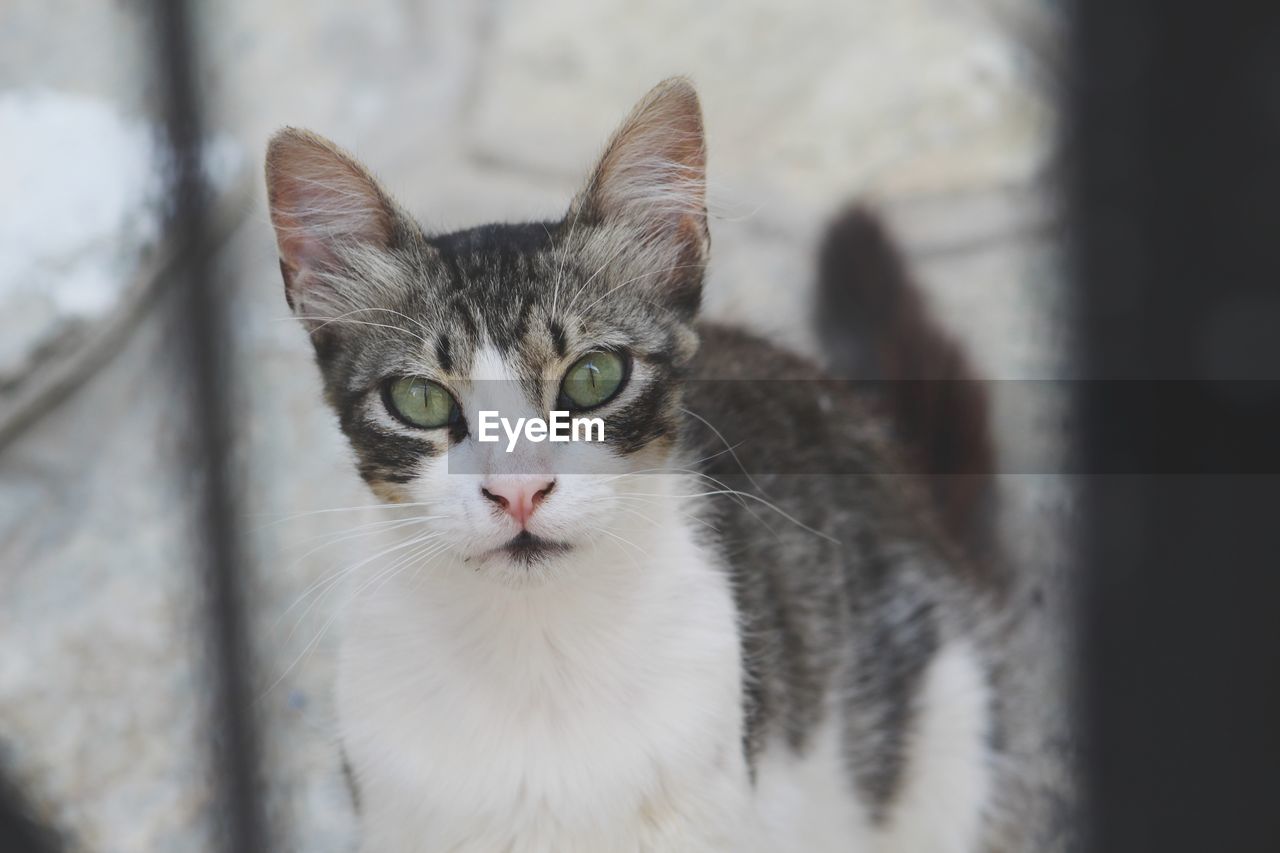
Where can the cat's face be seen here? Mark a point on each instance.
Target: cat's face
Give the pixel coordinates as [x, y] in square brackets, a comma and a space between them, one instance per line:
[417, 334]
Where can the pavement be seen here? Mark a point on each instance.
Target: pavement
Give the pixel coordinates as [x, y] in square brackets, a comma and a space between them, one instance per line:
[939, 111]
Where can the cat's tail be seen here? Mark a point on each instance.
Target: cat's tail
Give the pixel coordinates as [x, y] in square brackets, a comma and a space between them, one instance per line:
[874, 326]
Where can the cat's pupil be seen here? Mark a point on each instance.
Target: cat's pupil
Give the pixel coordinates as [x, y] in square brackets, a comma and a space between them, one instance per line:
[594, 379]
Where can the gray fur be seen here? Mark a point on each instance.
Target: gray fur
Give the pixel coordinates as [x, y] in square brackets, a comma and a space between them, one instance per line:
[864, 610]
[854, 596]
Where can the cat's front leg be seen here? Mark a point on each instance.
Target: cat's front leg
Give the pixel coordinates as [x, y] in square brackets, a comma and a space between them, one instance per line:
[715, 813]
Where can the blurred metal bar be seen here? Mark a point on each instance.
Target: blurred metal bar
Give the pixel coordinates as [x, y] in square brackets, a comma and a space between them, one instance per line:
[200, 318]
[20, 832]
[1173, 153]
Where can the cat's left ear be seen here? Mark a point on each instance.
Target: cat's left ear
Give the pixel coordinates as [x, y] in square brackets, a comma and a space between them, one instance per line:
[652, 178]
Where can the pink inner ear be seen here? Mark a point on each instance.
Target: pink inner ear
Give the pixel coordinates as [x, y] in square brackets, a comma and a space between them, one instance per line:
[301, 248]
[320, 199]
[654, 167]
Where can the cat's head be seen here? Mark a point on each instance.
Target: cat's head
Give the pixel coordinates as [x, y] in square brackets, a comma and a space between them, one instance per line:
[417, 333]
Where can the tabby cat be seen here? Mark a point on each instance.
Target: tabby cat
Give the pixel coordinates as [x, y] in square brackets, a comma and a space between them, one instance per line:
[730, 625]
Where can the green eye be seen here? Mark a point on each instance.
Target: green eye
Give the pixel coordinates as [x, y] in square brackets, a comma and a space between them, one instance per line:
[421, 402]
[593, 380]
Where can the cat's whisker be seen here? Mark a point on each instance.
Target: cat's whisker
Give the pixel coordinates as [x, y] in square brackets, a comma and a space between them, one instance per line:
[421, 326]
[682, 471]
[735, 494]
[718, 483]
[652, 498]
[320, 634]
[334, 578]
[730, 492]
[357, 508]
[728, 447]
[328, 320]
[650, 502]
[551, 242]
[443, 548]
[666, 469]
[333, 584]
[573, 228]
[420, 556]
[340, 537]
[417, 560]
[687, 516]
[636, 512]
[689, 465]
[611, 291]
[624, 541]
[592, 278]
[368, 528]
[391, 569]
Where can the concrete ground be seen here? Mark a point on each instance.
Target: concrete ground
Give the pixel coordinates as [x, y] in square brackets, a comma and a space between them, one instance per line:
[470, 111]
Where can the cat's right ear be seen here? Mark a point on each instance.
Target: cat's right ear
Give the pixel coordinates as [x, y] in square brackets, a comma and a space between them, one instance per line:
[326, 209]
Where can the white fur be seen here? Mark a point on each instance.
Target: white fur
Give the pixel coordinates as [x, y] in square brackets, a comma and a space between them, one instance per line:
[597, 711]
[808, 803]
[601, 711]
[948, 773]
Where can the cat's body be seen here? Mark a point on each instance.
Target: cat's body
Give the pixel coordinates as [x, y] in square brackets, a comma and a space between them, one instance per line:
[723, 679]
[688, 639]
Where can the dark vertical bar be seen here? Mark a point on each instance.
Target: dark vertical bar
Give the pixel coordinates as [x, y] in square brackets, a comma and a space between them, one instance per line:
[20, 832]
[201, 319]
[1174, 182]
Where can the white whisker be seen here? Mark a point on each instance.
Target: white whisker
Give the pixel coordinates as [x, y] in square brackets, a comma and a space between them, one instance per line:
[733, 492]
[599, 270]
[597, 300]
[328, 622]
[333, 578]
[728, 447]
[356, 508]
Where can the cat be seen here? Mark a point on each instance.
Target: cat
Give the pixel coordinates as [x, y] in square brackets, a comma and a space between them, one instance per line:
[692, 635]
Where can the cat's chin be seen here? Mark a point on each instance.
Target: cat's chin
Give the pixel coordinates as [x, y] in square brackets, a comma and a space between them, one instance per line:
[525, 560]
[528, 549]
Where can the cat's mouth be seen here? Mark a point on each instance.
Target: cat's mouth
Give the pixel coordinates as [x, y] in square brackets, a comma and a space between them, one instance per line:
[528, 547]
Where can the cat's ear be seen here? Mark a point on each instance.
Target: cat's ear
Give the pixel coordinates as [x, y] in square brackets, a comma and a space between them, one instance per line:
[652, 177]
[326, 209]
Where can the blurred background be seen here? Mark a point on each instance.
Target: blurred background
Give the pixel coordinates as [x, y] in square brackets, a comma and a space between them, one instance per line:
[940, 112]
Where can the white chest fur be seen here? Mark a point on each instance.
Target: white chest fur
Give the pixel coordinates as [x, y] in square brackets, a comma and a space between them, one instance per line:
[598, 712]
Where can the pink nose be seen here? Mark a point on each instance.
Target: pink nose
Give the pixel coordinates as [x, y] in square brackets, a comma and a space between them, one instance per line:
[519, 496]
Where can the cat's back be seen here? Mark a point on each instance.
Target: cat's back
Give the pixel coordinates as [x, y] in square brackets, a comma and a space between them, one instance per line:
[757, 413]
[793, 418]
